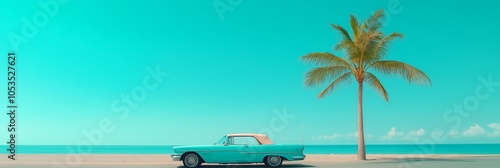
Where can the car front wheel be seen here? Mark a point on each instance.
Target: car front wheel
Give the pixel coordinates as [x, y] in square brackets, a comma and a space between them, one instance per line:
[191, 160]
[273, 161]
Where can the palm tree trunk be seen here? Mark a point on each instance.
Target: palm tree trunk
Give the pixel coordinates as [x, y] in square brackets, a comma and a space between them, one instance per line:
[361, 135]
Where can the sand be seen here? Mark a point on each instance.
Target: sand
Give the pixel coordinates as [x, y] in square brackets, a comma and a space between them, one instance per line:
[127, 160]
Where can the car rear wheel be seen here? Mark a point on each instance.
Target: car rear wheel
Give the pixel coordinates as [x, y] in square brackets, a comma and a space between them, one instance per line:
[273, 161]
[191, 160]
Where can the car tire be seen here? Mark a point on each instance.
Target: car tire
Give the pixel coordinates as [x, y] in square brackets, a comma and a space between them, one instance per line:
[191, 160]
[273, 161]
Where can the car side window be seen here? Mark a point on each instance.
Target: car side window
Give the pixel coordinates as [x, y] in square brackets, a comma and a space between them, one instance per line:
[245, 141]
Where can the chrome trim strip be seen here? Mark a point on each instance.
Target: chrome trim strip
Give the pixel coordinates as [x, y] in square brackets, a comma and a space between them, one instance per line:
[271, 152]
[214, 150]
[245, 152]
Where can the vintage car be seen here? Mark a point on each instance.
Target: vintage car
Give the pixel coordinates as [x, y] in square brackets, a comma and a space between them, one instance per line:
[239, 149]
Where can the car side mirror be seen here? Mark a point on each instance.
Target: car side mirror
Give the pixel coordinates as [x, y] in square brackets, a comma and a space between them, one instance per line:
[225, 143]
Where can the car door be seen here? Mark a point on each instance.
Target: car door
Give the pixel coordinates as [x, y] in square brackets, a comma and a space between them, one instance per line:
[255, 152]
[250, 148]
[229, 153]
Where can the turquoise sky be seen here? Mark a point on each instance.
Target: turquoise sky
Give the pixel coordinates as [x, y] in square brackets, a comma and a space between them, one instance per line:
[234, 67]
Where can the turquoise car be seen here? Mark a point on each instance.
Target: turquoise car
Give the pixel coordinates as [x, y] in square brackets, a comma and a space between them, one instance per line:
[239, 149]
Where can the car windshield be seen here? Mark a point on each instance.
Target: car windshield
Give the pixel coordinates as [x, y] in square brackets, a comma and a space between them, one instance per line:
[221, 141]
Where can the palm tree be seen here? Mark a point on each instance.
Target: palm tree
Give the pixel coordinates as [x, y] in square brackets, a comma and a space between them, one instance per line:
[365, 51]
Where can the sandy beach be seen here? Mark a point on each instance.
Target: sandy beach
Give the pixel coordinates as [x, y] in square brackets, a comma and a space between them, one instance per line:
[104, 160]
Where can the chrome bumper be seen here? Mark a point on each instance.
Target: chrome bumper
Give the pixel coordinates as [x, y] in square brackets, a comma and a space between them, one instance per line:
[176, 157]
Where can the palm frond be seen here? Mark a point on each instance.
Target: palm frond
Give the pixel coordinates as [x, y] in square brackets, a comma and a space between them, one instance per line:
[370, 38]
[319, 75]
[376, 20]
[348, 46]
[355, 26]
[344, 45]
[362, 28]
[364, 45]
[324, 59]
[341, 79]
[382, 46]
[408, 72]
[373, 81]
[342, 31]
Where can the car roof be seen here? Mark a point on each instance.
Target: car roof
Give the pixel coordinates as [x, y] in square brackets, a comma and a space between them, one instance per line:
[262, 138]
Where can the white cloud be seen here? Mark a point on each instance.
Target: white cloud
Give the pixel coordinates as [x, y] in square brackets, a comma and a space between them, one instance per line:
[496, 129]
[493, 130]
[474, 130]
[436, 134]
[411, 135]
[495, 126]
[352, 135]
[415, 134]
[453, 133]
[330, 137]
[393, 134]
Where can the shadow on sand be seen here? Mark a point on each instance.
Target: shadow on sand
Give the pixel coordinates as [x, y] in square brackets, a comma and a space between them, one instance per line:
[248, 165]
[417, 159]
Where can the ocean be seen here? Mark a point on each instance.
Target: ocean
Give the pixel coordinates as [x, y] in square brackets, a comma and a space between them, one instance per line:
[309, 149]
